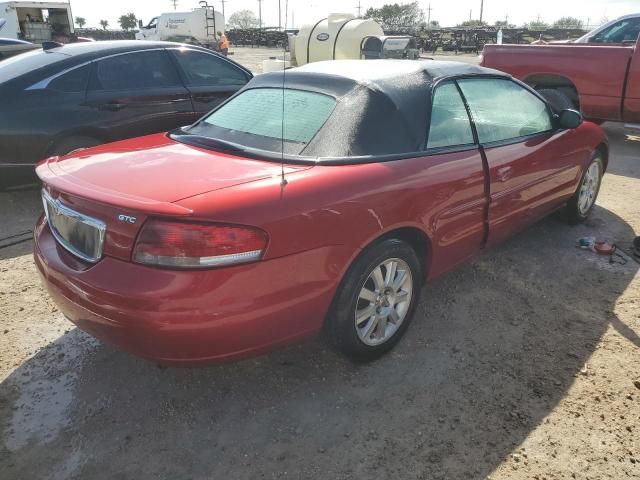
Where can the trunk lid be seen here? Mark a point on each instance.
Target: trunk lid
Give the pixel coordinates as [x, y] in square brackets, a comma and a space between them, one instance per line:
[121, 184]
[151, 172]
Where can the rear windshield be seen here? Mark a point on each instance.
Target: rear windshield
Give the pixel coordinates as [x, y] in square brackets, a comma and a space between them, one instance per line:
[14, 67]
[254, 119]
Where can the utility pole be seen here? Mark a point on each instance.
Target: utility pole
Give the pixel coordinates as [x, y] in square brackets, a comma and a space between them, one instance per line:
[260, 13]
[175, 4]
[470, 12]
[223, 2]
[359, 7]
[481, 8]
[429, 16]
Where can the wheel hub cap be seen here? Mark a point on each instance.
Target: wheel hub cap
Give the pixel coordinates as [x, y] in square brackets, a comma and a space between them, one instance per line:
[589, 188]
[383, 301]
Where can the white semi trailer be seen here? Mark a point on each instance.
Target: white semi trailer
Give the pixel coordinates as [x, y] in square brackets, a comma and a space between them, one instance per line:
[37, 22]
[197, 26]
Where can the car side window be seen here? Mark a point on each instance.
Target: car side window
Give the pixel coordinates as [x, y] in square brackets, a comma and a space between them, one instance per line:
[74, 81]
[626, 30]
[503, 110]
[153, 23]
[202, 69]
[135, 71]
[449, 125]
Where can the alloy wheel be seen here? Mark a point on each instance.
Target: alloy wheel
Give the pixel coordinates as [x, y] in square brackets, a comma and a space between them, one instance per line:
[589, 188]
[383, 301]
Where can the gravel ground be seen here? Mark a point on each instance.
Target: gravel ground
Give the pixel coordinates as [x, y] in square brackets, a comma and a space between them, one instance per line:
[523, 364]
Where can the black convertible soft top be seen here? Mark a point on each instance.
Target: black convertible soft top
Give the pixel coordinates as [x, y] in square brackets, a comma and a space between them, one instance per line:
[383, 105]
[382, 109]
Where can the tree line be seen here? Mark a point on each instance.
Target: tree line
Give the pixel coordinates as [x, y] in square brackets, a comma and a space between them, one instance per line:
[391, 17]
[396, 16]
[241, 19]
[127, 22]
[411, 16]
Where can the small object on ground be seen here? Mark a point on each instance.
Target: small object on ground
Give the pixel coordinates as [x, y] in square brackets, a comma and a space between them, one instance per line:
[586, 242]
[602, 247]
[617, 257]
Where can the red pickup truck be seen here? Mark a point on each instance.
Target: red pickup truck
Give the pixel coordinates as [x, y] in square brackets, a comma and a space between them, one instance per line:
[601, 81]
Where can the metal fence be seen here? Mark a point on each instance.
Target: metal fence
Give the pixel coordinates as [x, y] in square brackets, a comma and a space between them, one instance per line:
[258, 37]
[445, 39]
[474, 39]
[100, 34]
[458, 40]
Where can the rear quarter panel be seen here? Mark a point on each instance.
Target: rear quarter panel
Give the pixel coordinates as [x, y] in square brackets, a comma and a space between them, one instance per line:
[440, 195]
[598, 72]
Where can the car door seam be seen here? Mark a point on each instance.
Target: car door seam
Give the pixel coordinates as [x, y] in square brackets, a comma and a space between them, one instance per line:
[485, 166]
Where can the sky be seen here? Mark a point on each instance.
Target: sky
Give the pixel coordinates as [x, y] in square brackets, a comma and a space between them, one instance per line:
[447, 12]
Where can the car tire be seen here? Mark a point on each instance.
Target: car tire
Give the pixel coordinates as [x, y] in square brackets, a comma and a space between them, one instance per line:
[69, 144]
[558, 100]
[584, 198]
[366, 324]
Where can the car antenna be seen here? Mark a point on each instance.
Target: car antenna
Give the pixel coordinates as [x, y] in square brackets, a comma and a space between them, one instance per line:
[49, 45]
[283, 181]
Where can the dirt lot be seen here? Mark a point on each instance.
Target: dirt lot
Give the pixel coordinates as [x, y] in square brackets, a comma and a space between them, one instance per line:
[520, 365]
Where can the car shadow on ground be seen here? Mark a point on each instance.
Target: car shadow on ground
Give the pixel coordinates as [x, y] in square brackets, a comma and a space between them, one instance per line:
[494, 348]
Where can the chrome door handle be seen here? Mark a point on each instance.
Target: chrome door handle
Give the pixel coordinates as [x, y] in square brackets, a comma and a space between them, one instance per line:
[111, 106]
[503, 174]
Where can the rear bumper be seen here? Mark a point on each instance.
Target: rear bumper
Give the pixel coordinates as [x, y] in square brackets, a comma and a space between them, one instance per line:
[192, 317]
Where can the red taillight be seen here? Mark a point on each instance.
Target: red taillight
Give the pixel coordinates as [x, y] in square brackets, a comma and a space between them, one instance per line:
[188, 245]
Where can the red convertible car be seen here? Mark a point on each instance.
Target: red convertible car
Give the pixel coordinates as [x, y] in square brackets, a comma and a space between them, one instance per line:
[323, 204]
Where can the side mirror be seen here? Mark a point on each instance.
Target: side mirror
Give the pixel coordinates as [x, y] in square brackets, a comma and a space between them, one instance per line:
[569, 119]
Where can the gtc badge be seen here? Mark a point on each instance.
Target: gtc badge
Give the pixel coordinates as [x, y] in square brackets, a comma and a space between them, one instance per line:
[127, 218]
